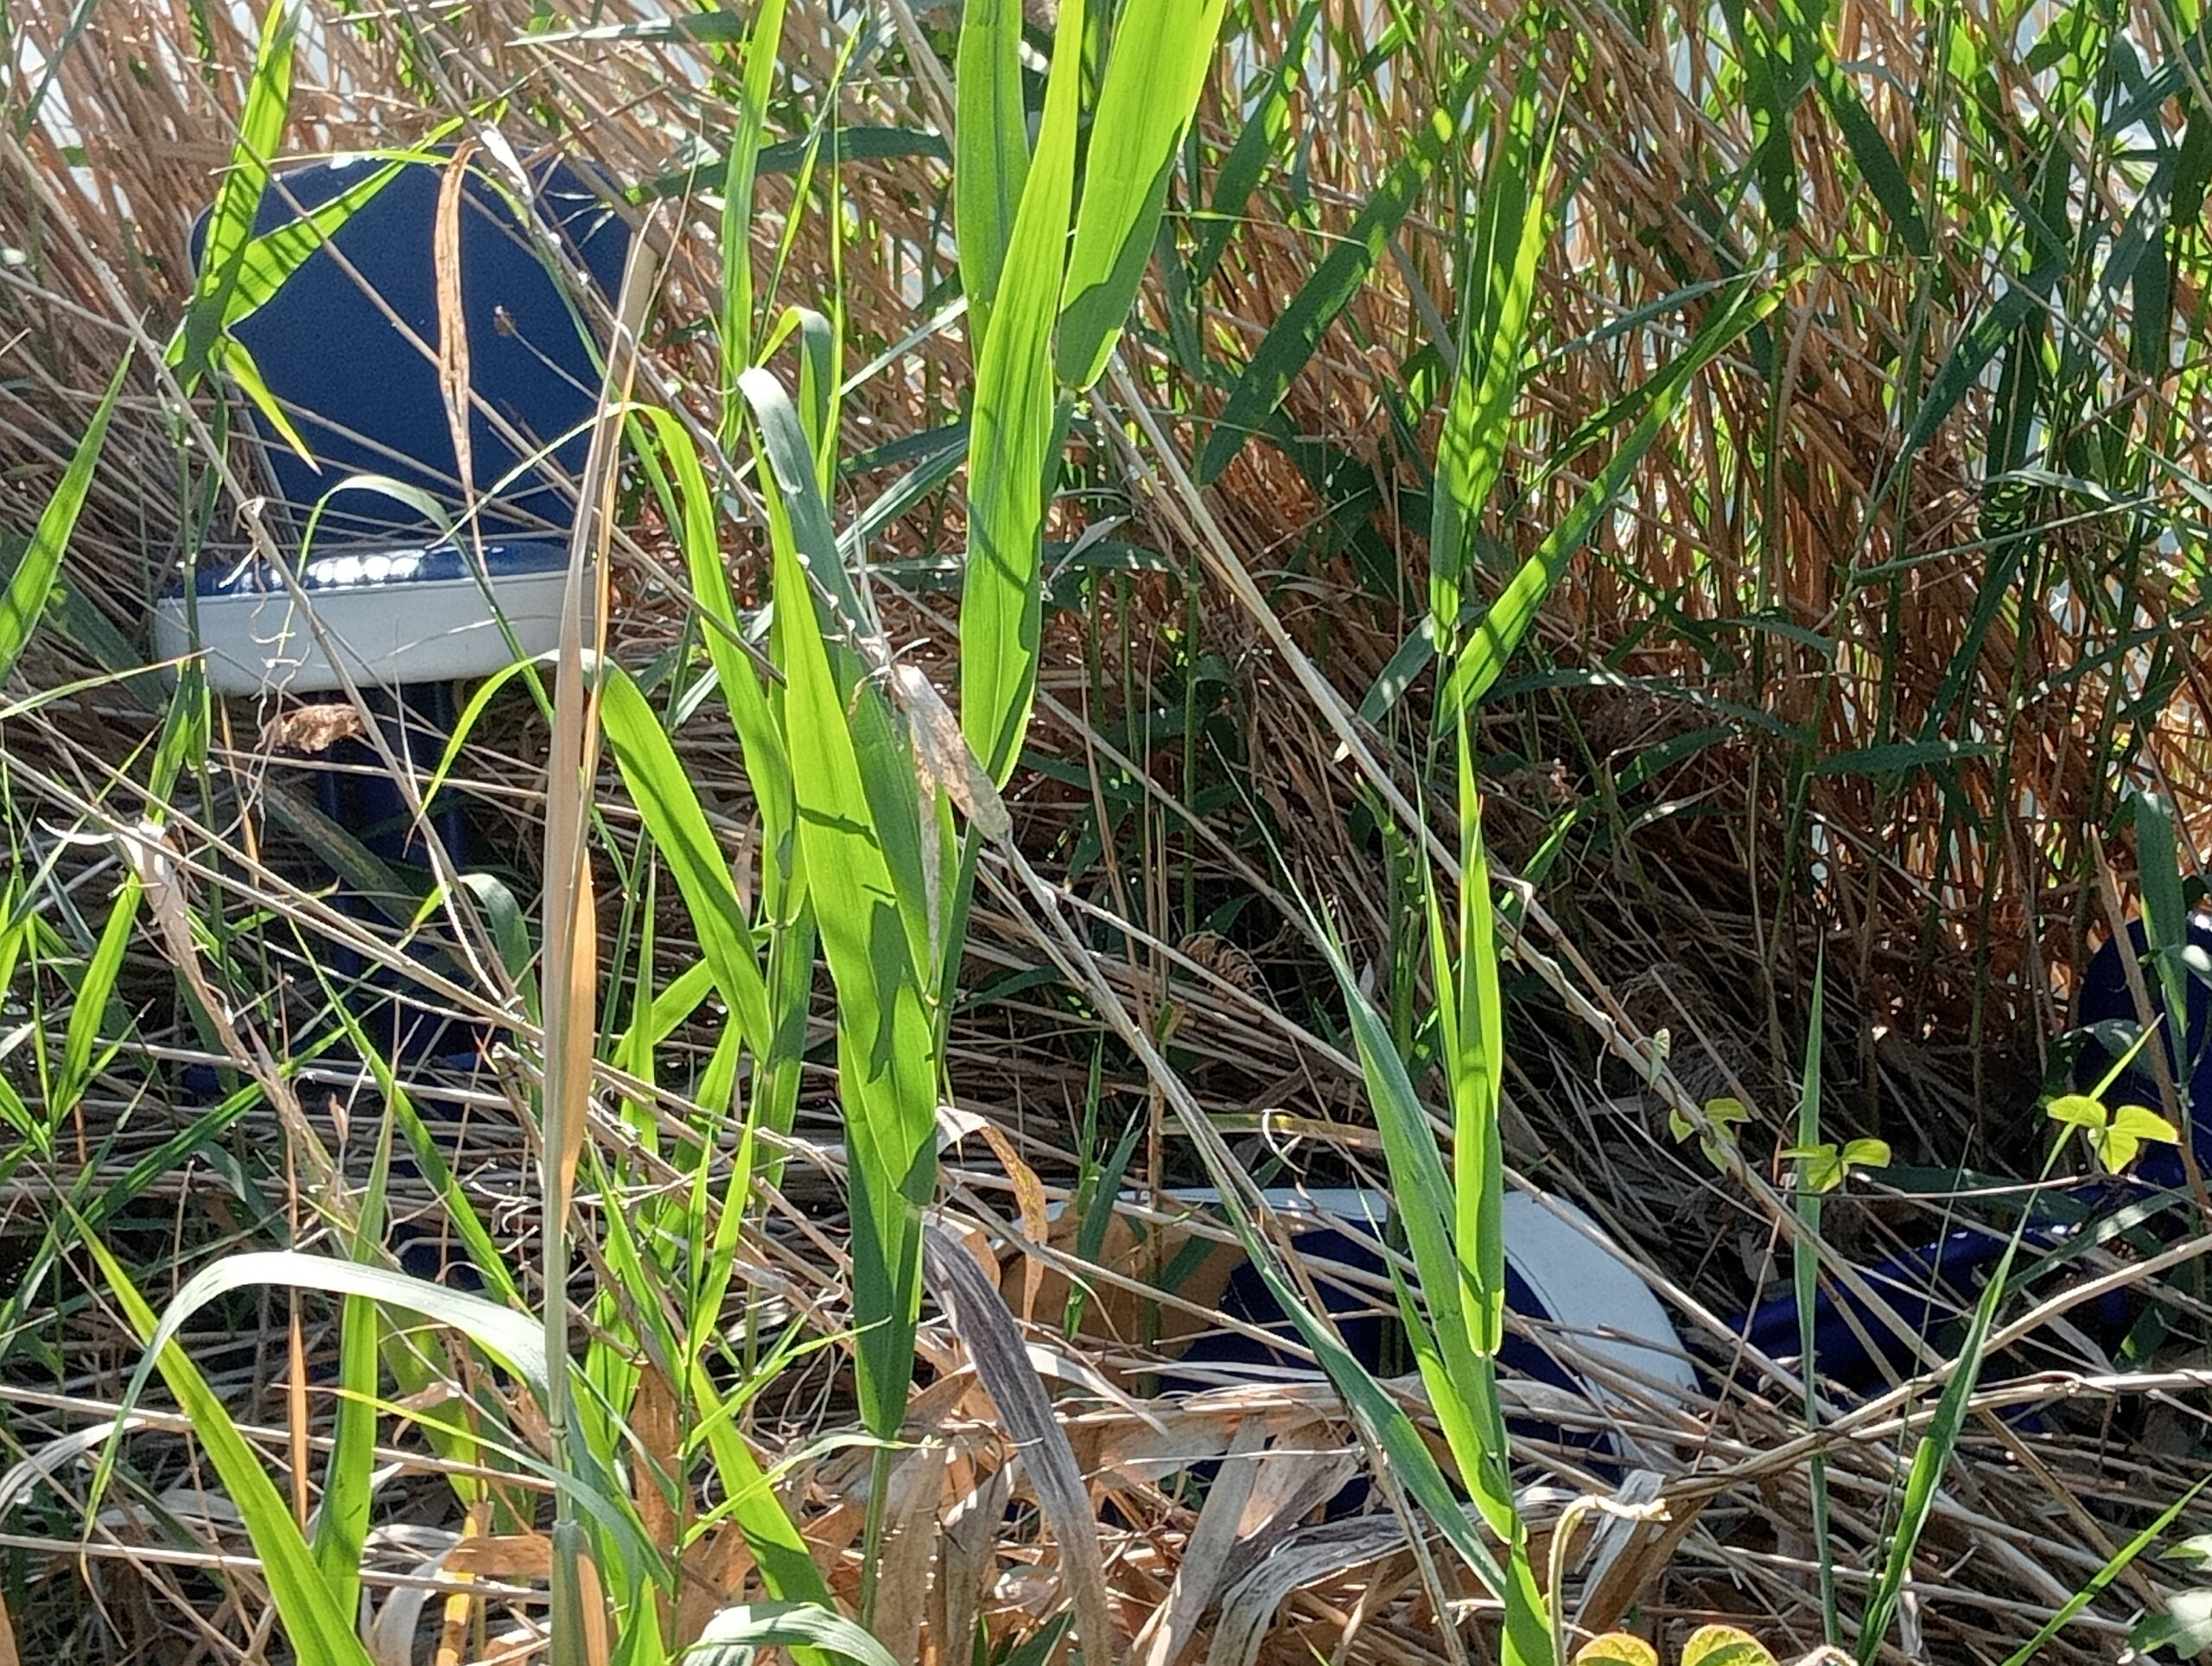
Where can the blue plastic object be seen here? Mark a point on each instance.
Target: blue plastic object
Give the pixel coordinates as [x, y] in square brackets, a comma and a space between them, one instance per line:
[1561, 1275]
[374, 614]
[349, 346]
[1926, 1288]
[389, 564]
[2104, 998]
[1369, 1332]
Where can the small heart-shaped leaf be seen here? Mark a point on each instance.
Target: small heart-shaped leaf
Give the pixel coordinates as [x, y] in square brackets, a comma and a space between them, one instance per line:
[1723, 1112]
[1820, 1168]
[2131, 1129]
[1724, 1645]
[1617, 1649]
[2078, 1110]
[1866, 1154]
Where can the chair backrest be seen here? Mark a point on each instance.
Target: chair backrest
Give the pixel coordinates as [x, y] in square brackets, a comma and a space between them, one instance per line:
[365, 397]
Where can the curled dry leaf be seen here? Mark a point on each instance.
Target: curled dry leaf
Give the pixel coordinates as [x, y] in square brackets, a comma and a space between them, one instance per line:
[943, 755]
[1296, 1562]
[653, 1423]
[311, 730]
[713, 1570]
[967, 1556]
[1205, 1554]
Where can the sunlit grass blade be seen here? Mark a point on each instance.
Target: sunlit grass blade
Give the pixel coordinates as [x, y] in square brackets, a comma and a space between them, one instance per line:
[230, 227]
[275, 254]
[1499, 632]
[1805, 1264]
[1877, 164]
[2166, 916]
[1460, 1373]
[887, 1056]
[2114, 1565]
[513, 1340]
[1513, 220]
[767, 765]
[1257, 147]
[1010, 439]
[1409, 1460]
[763, 42]
[31, 586]
[230, 356]
[787, 1567]
[1292, 340]
[1157, 66]
[670, 806]
[317, 1626]
[95, 1010]
[1931, 1458]
[1773, 83]
[990, 151]
[341, 1526]
[737, 1636]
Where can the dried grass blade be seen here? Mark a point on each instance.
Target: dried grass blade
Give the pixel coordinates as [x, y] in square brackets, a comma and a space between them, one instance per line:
[910, 1544]
[1204, 1561]
[453, 323]
[571, 977]
[986, 1327]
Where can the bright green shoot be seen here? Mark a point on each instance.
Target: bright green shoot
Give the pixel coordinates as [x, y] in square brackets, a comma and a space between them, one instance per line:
[1454, 1221]
[1046, 307]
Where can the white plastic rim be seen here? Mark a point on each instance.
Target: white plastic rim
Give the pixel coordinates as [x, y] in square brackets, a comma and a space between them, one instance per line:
[1592, 1294]
[381, 633]
[1588, 1291]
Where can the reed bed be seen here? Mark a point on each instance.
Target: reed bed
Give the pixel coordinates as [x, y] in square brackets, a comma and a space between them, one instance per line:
[1838, 722]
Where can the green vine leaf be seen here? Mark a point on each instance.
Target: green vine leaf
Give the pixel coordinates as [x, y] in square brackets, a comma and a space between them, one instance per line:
[1717, 1139]
[1724, 1645]
[1617, 1649]
[1824, 1168]
[2115, 1137]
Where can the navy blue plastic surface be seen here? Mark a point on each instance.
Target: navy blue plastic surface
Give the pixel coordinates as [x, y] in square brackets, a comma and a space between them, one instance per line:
[1374, 1336]
[2105, 999]
[348, 345]
[1927, 1288]
[331, 345]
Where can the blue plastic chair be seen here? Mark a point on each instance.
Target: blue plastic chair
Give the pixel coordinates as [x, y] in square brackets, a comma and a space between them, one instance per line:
[348, 346]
